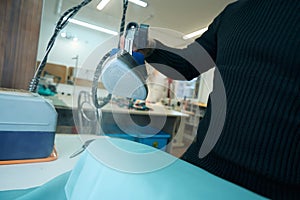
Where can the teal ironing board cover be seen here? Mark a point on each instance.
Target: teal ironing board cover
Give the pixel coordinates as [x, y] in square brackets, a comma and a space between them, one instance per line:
[103, 172]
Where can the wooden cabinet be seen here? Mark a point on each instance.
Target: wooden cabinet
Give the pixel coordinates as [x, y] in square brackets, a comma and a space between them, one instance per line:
[19, 34]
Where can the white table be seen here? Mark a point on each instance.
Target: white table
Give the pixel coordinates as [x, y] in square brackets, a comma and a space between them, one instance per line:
[22, 176]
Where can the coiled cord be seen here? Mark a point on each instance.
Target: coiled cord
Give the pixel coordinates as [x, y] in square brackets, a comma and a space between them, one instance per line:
[99, 67]
[97, 74]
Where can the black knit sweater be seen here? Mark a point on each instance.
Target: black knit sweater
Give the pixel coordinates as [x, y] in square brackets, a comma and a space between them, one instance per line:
[255, 45]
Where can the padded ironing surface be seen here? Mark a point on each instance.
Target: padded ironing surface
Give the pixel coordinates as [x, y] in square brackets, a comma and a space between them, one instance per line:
[95, 179]
[92, 179]
[52, 190]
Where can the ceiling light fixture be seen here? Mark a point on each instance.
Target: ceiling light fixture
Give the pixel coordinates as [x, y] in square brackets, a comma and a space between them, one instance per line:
[102, 4]
[139, 3]
[91, 26]
[63, 34]
[75, 39]
[194, 34]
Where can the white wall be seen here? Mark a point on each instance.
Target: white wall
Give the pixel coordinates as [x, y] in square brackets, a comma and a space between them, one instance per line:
[65, 49]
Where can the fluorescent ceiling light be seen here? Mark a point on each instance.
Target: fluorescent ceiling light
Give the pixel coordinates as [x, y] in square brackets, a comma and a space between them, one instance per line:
[139, 3]
[102, 4]
[91, 26]
[75, 39]
[194, 34]
[63, 34]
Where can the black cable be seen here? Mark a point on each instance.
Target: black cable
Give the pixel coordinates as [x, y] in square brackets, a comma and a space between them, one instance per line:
[122, 25]
[99, 67]
[62, 22]
[97, 74]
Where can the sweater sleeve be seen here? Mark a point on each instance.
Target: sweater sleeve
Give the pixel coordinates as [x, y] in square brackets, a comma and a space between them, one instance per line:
[189, 62]
[208, 40]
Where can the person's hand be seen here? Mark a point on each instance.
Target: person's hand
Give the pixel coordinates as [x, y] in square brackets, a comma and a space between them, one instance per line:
[122, 42]
[146, 51]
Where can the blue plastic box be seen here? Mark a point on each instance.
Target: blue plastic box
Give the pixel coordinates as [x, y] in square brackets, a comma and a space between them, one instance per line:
[115, 131]
[158, 140]
[122, 136]
[27, 125]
